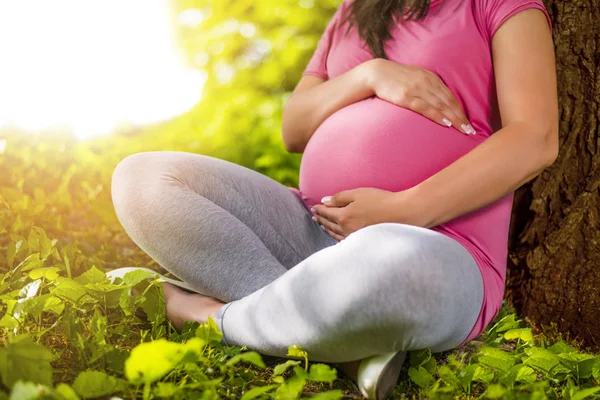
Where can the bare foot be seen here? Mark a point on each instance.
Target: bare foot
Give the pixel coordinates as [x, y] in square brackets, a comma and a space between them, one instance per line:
[183, 306]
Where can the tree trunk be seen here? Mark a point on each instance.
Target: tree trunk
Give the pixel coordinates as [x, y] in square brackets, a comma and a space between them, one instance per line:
[554, 248]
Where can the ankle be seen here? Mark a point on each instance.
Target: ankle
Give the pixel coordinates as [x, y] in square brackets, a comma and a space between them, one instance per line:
[213, 311]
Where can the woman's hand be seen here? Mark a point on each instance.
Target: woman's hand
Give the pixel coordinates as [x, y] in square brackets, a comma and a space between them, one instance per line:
[417, 89]
[350, 210]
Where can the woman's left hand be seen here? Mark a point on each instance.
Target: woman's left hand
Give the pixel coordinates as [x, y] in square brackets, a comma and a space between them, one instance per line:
[351, 210]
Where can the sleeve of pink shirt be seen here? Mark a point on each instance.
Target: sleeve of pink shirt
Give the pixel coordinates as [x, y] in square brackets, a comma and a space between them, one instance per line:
[496, 12]
[317, 66]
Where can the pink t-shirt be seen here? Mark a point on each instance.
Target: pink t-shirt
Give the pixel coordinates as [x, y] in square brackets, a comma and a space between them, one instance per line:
[374, 143]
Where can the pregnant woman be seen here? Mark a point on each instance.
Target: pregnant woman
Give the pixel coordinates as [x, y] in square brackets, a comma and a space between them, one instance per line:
[417, 121]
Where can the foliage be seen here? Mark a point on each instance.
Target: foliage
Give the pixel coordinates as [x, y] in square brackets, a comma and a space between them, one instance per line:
[68, 333]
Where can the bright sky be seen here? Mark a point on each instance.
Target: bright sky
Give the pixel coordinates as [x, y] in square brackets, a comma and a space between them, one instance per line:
[91, 65]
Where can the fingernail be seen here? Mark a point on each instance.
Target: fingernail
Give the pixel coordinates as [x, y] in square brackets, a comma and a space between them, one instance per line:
[447, 122]
[312, 209]
[325, 199]
[468, 129]
[322, 227]
[314, 218]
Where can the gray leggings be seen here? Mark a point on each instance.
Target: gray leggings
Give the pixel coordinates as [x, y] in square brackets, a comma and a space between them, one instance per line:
[247, 240]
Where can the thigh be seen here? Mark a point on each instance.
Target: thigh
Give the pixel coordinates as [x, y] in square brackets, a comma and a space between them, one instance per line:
[433, 285]
[271, 210]
[386, 287]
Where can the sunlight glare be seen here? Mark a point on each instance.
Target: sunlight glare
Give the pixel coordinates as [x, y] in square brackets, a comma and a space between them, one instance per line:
[91, 65]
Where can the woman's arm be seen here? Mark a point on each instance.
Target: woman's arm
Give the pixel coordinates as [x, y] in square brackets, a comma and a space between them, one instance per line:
[315, 99]
[525, 74]
[411, 87]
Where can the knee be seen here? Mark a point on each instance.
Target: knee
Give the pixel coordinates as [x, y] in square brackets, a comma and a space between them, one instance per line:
[141, 181]
[123, 177]
[132, 179]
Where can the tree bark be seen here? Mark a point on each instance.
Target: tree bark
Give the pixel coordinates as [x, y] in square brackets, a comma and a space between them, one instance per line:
[554, 247]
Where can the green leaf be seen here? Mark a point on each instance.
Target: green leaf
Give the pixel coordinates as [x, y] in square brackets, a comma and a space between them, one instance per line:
[526, 375]
[209, 332]
[423, 358]
[420, 376]
[27, 391]
[296, 351]
[7, 321]
[596, 370]
[291, 388]
[569, 388]
[32, 306]
[72, 291]
[544, 361]
[281, 368]
[561, 347]
[322, 373]
[98, 325]
[92, 276]
[495, 358]
[150, 361]
[251, 357]
[581, 364]
[12, 250]
[66, 392]
[72, 325]
[257, 391]
[504, 324]
[494, 391]
[523, 334]
[31, 262]
[54, 304]
[466, 376]
[446, 374]
[584, 393]
[50, 273]
[153, 304]
[134, 277]
[42, 243]
[519, 373]
[91, 384]
[329, 395]
[482, 375]
[166, 389]
[115, 360]
[24, 359]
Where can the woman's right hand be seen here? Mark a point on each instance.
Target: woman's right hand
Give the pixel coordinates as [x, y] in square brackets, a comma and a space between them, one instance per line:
[417, 89]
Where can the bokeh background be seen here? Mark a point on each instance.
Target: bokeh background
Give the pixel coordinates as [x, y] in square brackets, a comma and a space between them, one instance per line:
[84, 84]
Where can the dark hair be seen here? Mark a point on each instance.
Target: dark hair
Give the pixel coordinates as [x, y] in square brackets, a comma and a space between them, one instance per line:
[373, 19]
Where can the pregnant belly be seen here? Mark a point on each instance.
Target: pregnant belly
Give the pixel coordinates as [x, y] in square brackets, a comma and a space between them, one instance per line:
[373, 143]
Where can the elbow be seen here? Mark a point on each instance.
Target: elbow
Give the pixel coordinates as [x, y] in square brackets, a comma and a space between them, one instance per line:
[543, 143]
[288, 135]
[290, 145]
[550, 145]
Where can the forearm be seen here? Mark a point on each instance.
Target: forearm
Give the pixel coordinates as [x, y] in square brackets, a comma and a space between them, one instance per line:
[492, 170]
[305, 110]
